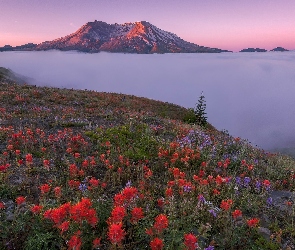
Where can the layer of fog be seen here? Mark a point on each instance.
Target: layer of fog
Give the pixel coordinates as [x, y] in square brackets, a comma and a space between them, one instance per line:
[249, 94]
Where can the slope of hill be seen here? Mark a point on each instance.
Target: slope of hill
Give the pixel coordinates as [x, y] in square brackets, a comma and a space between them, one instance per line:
[89, 170]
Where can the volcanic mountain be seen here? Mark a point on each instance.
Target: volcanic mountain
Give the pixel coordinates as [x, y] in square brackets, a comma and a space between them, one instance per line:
[138, 37]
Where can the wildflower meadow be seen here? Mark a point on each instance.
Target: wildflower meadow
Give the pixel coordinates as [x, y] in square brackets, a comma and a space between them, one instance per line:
[88, 170]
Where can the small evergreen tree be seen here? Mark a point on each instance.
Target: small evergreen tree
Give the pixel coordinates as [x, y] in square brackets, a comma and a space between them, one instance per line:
[200, 113]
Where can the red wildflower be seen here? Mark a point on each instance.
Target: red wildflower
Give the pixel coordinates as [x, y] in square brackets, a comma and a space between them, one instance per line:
[44, 188]
[94, 182]
[250, 167]
[201, 173]
[20, 200]
[85, 164]
[29, 158]
[102, 157]
[190, 241]
[2, 205]
[74, 184]
[149, 231]
[96, 242]
[57, 192]
[203, 164]
[46, 163]
[148, 173]
[4, 167]
[137, 214]
[119, 200]
[129, 193]
[47, 214]
[170, 183]
[266, 183]
[116, 233]
[77, 155]
[57, 215]
[160, 202]
[36, 209]
[237, 213]
[169, 192]
[83, 211]
[219, 180]
[216, 192]
[161, 223]
[226, 204]
[64, 226]
[75, 242]
[157, 244]
[253, 222]
[118, 214]
[73, 170]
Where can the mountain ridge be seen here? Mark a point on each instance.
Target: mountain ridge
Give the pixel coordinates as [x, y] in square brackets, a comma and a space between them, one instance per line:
[138, 37]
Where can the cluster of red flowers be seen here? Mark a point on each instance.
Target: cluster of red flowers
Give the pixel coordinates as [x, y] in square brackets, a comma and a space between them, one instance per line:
[75, 241]
[122, 201]
[82, 211]
[253, 222]
[29, 159]
[190, 241]
[237, 213]
[45, 188]
[226, 204]
[157, 244]
[137, 214]
[20, 200]
[126, 196]
[36, 209]
[79, 212]
[116, 233]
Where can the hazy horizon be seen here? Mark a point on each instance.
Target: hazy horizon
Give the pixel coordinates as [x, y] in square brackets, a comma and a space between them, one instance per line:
[229, 24]
[249, 94]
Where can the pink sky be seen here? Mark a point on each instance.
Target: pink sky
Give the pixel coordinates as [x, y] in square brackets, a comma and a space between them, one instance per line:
[226, 24]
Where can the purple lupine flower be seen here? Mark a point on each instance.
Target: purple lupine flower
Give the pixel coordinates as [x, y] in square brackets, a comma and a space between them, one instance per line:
[209, 248]
[238, 181]
[201, 198]
[128, 184]
[187, 189]
[82, 187]
[269, 201]
[211, 211]
[258, 185]
[247, 180]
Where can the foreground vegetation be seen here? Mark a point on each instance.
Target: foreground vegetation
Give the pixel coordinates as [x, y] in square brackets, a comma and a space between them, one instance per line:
[89, 170]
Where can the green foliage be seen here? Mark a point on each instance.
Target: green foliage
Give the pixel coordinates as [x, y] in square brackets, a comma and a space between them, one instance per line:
[190, 116]
[42, 240]
[135, 141]
[7, 191]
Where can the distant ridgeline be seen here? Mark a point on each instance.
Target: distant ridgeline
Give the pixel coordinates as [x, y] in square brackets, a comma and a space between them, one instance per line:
[28, 46]
[263, 50]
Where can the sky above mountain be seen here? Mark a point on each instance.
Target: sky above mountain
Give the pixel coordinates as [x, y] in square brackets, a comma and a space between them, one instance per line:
[226, 24]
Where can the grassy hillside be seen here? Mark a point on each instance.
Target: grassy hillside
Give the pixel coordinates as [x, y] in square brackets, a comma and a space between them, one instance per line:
[90, 170]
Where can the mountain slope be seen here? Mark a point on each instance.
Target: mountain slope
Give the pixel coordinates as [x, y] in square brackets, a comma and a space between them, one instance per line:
[138, 37]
